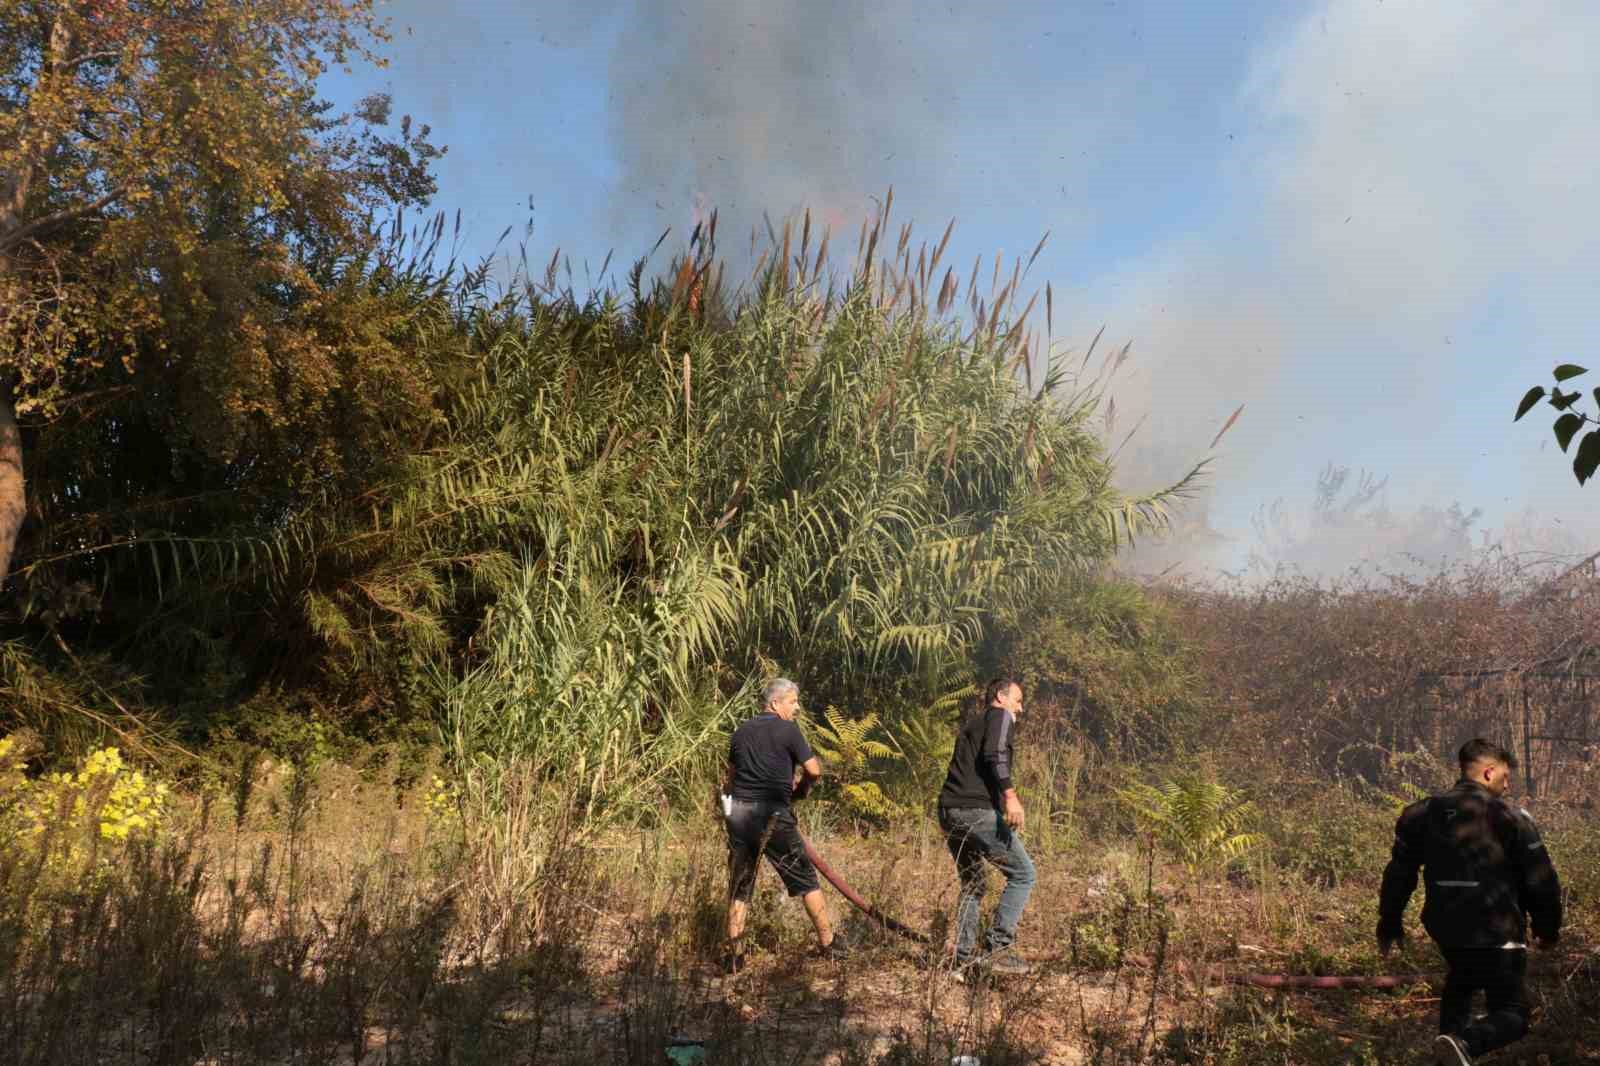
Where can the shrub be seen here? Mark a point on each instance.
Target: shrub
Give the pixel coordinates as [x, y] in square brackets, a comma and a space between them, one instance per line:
[1200, 820]
[848, 750]
[69, 818]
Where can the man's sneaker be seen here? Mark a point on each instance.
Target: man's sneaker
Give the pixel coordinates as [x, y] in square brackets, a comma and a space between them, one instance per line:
[837, 948]
[731, 961]
[1450, 1051]
[1006, 963]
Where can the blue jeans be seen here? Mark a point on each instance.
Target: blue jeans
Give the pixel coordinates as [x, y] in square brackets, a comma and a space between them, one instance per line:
[975, 836]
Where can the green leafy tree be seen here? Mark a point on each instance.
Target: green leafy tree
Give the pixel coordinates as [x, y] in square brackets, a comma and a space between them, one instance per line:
[1571, 421]
[177, 210]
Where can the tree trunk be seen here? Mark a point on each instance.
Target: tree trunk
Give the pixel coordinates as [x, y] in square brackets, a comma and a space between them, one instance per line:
[15, 188]
[13, 497]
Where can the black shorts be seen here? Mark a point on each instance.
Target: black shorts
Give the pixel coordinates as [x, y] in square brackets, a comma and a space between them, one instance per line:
[747, 825]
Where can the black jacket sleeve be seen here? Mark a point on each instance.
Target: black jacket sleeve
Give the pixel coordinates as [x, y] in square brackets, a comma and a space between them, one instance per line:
[997, 747]
[1400, 876]
[1539, 890]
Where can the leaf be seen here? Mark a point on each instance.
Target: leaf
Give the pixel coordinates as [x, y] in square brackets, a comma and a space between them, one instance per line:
[1534, 395]
[1563, 400]
[1569, 370]
[1565, 427]
[1588, 457]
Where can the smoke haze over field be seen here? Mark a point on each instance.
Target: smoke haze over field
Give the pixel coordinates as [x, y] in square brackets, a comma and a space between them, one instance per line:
[1372, 223]
[1420, 248]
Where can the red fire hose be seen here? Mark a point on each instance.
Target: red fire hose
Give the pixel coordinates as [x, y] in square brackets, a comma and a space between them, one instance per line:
[869, 909]
[1281, 980]
[1215, 975]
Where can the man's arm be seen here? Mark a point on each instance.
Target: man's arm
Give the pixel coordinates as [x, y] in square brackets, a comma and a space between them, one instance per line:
[996, 755]
[1539, 891]
[807, 768]
[807, 774]
[1400, 876]
[723, 789]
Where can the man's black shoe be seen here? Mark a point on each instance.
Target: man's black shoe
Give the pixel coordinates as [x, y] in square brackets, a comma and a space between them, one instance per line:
[731, 961]
[1450, 1051]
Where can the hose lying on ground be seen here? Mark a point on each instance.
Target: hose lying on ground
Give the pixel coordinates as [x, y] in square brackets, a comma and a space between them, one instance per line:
[1283, 980]
[870, 910]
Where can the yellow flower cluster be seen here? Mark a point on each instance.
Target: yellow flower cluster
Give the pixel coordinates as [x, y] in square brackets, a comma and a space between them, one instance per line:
[132, 803]
[105, 796]
[440, 800]
[12, 784]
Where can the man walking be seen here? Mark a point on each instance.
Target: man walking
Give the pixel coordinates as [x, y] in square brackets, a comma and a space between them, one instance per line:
[770, 765]
[982, 821]
[1487, 873]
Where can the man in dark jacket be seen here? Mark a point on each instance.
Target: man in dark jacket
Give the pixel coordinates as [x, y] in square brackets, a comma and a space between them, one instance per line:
[1487, 874]
[769, 765]
[982, 821]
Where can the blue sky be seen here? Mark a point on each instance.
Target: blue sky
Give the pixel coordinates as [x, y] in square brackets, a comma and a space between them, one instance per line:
[1373, 222]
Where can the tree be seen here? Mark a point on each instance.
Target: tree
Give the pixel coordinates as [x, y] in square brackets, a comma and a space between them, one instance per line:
[1567, 426]
[178, 213]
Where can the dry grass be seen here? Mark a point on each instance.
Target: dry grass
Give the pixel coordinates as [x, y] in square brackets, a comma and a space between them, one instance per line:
[333, 921]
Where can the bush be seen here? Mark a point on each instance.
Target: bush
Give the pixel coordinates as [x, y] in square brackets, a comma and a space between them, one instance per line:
[68, 819]
[1327, 834]
[1104, 659]
[1205, 823]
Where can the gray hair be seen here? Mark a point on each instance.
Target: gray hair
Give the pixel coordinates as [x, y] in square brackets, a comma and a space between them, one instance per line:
[775, 690]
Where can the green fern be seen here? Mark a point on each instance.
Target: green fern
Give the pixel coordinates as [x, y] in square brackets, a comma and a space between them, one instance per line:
[847, 745]
[1203, 822]
[848, 749]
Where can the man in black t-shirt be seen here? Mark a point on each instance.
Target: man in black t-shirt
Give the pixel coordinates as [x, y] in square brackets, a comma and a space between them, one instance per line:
[761, 780]
[982, 821]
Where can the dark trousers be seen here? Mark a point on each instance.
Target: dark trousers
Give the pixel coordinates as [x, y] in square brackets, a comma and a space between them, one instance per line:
[754, 828]
[1502, 974]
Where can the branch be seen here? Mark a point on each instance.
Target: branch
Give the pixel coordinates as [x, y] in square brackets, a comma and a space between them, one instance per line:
[89, 57]
[29, 230]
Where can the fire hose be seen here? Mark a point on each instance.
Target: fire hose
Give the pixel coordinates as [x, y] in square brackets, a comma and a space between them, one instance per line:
[869, 909]
[1283, 980]
[1212, 973]
[1257, 980]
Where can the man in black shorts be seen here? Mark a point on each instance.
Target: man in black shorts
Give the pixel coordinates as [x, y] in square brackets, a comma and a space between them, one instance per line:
[1487, 874]
[761, 780]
